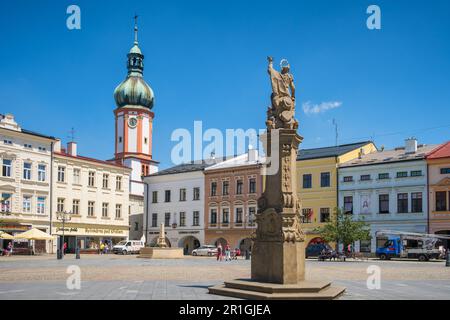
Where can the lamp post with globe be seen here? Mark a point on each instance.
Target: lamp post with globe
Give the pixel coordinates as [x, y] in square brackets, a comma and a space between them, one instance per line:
[63, 216]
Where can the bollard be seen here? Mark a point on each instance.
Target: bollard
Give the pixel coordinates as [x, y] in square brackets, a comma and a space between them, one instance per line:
[447, 260]
[58, 254]
[77, 253]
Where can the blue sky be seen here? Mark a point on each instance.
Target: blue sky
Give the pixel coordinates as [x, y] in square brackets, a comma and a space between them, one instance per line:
[206, 60]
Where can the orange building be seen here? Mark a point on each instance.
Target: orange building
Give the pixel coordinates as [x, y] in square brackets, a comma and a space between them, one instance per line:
[232, 189]
[439, 190]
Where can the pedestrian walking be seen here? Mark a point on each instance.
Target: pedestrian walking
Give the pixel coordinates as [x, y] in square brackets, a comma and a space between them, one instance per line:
[219, 252]
[102, 247]
[64, 248]
[10, 249]
[227, 253]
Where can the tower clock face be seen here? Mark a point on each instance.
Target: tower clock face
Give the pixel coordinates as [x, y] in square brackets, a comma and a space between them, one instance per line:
[132, 122]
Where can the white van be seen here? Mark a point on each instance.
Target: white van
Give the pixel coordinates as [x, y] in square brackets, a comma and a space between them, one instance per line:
[128, 246]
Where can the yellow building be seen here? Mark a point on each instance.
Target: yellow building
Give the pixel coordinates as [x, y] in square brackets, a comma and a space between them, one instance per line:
[318, 182]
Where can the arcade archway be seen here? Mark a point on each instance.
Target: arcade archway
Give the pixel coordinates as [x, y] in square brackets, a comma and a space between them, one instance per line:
[188, 244]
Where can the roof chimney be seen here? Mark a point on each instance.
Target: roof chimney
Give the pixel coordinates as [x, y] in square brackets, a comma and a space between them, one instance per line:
[57, 146]
[252, 154]
[411, 145]
[72, 148]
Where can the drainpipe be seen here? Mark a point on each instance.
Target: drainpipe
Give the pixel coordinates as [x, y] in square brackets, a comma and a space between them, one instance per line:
[146, 211]
[51, 191]
[428, 198]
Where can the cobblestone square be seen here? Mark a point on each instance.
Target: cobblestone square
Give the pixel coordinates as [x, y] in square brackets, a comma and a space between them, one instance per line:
[117, 277]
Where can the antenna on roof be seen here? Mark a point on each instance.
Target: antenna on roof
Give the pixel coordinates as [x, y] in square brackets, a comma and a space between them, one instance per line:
[336, 131]
[71, 135]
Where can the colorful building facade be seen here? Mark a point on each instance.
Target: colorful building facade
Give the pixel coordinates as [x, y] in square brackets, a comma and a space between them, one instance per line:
[439, 190]
[232, 188]
[318, 182]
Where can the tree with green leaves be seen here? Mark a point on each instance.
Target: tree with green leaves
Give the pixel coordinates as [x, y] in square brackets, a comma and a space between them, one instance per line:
[343, 228]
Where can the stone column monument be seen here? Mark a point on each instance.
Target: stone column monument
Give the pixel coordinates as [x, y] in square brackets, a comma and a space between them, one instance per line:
[278, 252]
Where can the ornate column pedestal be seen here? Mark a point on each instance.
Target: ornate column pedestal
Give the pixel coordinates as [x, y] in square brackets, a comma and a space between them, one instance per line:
[278, 252]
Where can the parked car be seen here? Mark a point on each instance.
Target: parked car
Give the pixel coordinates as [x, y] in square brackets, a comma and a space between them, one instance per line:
[128, 246]
[314, 250]
[205, 250]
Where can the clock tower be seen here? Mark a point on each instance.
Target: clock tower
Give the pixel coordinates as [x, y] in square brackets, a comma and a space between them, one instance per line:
[134, 120]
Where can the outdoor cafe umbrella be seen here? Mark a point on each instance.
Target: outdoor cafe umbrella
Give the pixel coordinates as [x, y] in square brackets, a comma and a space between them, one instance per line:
[33, 234]
[4, 235]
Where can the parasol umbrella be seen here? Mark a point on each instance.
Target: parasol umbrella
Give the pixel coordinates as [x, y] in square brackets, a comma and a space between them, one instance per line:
[4, 235]
[33, 234]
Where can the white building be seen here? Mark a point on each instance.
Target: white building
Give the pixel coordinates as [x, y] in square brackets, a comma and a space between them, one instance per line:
[96, 193]
[388, 189]
[25, 186]
[175, 197]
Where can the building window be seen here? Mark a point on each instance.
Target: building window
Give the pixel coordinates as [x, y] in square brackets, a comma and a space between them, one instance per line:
[7, 142]
[239, 186]
[402, 174]
[196, 193]
[41, 205]
[60, 205]
[213, 216]
[382, 176]
[167, 196]
[182, 219]
[26, 206]
[6, 202]
[365, 177]
[325, 179]
[445, 170]
[196, 219]
[154, 220]
[402, 203]
[307, 181]
[145, 140]
[91, 179]
[251, 215]
[118, 211]
[307, 215]
[27, 146]
[441, 201]
[213, 189]
[41, 172]
[76, 176]
[120, 139]
[238, 215]
[252, 185]
[118, 183]
[91, 210]
[225, 215]
[105, 181]
[383, 203]
[76, 206]
[27, 171]
[416, 202]
[348, 204]
[167, 219]
[324, 214]
[61, 174]
[105, 209]
[225, 188]
[6, 170]
[416, 173]
[154, 196]
[183, 194]
[136, 226]
[348, 179]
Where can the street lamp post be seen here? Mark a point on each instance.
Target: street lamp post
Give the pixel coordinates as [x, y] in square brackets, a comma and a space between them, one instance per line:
[63, 217]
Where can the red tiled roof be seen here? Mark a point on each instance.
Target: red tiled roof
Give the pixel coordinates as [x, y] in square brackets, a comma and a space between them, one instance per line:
[92, 160]
[443, 151]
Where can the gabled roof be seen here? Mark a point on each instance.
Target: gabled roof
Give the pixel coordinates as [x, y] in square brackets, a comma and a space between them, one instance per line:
[326, 152]
[443, 151]
[389, 156]
[188, 167]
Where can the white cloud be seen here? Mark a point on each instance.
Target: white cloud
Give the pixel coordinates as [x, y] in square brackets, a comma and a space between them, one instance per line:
[310, 108]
